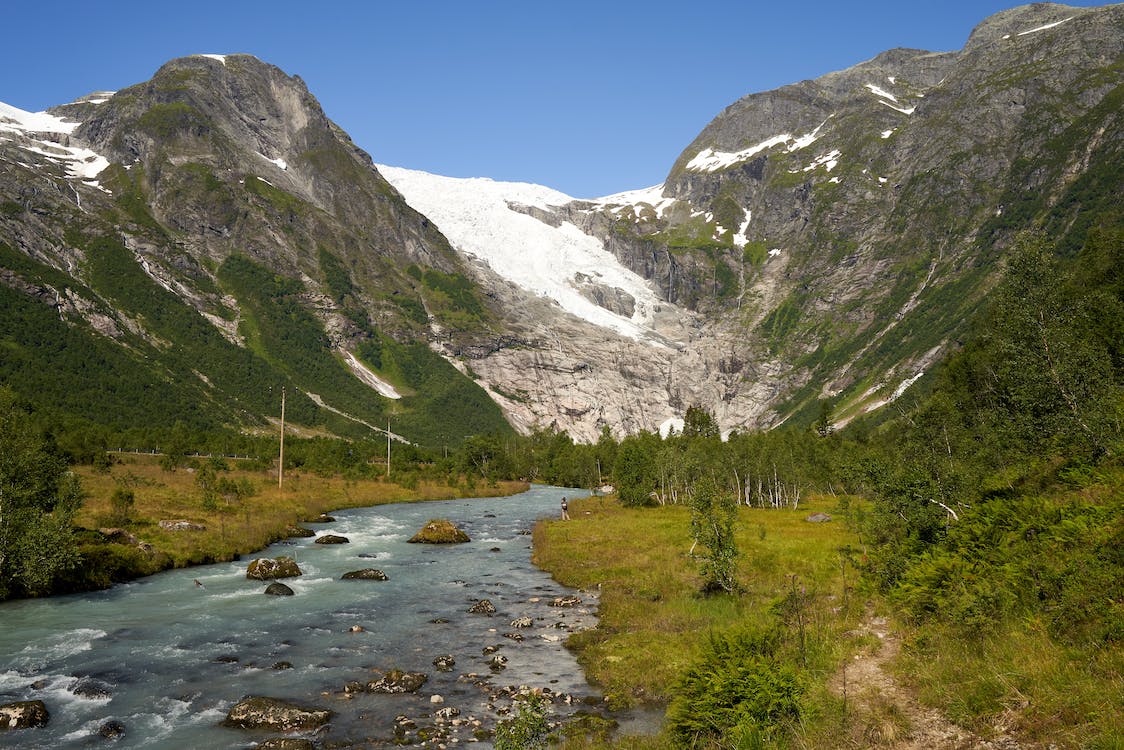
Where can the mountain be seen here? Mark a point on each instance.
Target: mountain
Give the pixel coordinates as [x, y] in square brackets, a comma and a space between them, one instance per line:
[180, 250]
[826, 242]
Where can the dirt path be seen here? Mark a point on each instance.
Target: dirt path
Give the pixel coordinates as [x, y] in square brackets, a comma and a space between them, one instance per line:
[885, 715]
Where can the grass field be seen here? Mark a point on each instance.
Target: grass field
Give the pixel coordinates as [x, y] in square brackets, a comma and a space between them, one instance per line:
[236, 527]
[654, 623]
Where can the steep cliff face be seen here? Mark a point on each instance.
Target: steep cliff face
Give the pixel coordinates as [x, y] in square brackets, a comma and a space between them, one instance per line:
[220, 188]
[838, 233]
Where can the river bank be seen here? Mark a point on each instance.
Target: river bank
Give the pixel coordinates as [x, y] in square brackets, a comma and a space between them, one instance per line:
[167, 657]
[172, 523]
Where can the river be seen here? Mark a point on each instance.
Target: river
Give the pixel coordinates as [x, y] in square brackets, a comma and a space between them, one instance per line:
[166, 658]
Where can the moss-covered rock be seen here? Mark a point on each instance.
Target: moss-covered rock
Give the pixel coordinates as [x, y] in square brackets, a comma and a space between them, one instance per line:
[259, 712]
[439, 531]
[266, 569]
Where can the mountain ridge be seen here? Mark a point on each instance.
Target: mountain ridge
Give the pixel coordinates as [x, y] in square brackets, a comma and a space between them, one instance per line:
[822, 243]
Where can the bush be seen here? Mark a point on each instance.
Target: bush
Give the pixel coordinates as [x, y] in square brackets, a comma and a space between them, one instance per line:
[738, 687]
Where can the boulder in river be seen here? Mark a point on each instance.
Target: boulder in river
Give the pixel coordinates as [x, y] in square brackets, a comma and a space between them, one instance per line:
[111, 729]
[88, 687]
[23, 715]
[397, 681]
[278, 589]
[257, 712]
[287, 743]
[439, 531]
[366, 574]
[267, 568]
[482, 607]
[332, 539]
[445, 662]
[292, 530]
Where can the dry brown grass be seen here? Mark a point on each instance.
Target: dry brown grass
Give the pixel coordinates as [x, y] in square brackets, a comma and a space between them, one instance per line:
[244, 526]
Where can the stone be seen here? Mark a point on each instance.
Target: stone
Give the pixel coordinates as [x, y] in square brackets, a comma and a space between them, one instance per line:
[396, 681]
[278, 589]
[24, 715]
[332, 539]
[497, 662]
[119, 536]
[439, 531]
[818, 518]
[294, 531]
[287, 743]
[366, 574]
[565, 601]
[266, 568]
[88, 687]
[324, 518]
[447, 712]
[180, 524]
[111, 729]
[482, 607]
[259, 712]
[279, 665]
[522, 622]
[514, 636]
[444, 663]
[436, 699]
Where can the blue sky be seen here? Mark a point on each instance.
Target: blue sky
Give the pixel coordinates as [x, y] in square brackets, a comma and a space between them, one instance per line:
[589, 98]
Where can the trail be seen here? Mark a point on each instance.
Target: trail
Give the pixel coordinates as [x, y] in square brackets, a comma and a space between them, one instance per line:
[885, 714]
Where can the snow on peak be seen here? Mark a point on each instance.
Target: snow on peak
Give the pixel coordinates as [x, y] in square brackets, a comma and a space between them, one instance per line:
[478, 217]
[15, 119]
[220, 58]
[27, 127]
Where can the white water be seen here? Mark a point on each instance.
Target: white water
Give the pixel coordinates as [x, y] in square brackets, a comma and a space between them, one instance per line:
[161, 649]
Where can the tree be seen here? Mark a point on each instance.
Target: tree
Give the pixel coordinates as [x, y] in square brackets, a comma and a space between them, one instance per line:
[38, 499]
[712, 527]
[698, 422]
[635, 468]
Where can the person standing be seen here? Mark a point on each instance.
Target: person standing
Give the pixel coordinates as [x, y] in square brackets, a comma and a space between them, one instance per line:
[565, 510]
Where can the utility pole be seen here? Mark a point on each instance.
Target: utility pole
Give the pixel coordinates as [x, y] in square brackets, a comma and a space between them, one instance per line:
[281, 458]
[388, 449]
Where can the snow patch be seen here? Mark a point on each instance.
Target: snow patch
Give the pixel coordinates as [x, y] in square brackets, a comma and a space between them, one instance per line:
[1043, 28]
[368, 377]
[480, 217]
[281, 163]
[81, 163]
[903, 110]
[881, 92]
[887, 133]
[740, 240]
[220, 58]
[709, 160]
[672, 423]
[828, 161]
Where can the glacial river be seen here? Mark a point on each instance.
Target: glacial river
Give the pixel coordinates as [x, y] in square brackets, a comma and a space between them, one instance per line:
[167, 658]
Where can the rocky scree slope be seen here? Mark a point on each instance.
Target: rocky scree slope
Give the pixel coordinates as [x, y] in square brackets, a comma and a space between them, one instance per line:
[182, 249]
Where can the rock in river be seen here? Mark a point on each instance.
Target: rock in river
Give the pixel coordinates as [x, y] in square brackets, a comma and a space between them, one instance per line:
[266, 569]
[278, 589]
[259, 712]
[23, 715]
[332, 539]
[439, 531]
[366, 574]
[397, 681]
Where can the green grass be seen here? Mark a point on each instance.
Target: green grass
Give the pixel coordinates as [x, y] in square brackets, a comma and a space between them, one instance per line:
[654, 624]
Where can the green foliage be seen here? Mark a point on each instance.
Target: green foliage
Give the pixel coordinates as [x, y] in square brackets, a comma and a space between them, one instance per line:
[635, 468]
[699, 422]
[336, 276]
[713, 513]
[121, 504]
[528, 730]
[738, 687]
[172, 119]
[38, 499]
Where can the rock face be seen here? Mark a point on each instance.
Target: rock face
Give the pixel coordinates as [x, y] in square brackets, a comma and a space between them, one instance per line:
[275, 714]
[366, 574]
[332, 539]
[439, 531]
[265, 568]
[23, 715]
